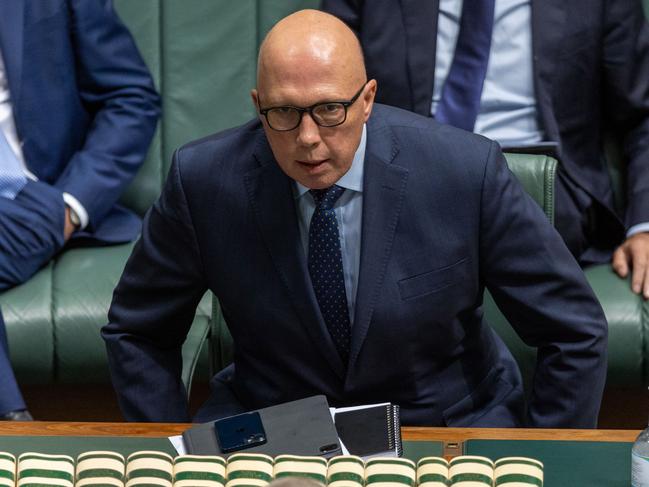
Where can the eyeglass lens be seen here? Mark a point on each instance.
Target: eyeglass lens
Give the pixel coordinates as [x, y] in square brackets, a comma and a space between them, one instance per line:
[326, 114]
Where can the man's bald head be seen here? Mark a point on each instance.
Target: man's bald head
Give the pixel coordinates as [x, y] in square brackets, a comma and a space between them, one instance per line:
[305, 43]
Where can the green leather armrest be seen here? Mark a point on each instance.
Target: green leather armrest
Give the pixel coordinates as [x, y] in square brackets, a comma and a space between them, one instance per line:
[626, 314]
[536, 173]
[53, 320]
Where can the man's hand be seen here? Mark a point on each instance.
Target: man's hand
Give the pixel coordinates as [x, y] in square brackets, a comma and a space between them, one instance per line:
[634, 254]
[69, 227]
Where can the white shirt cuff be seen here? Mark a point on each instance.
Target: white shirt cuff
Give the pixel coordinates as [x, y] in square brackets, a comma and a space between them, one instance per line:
[78, 208]
[640, 227]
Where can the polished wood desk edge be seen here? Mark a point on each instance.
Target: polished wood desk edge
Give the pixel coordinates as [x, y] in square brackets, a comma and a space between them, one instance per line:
[463, 434]
[44, 428]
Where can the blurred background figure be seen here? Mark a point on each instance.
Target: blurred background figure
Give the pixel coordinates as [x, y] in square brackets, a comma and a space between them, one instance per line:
[551, 76]
[78, 110]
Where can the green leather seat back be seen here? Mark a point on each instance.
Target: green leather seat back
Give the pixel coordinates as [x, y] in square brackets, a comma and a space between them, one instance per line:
[536, 174]
[143, 20]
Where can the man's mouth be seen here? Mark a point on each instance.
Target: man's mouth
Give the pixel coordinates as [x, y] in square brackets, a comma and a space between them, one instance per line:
[312, 162]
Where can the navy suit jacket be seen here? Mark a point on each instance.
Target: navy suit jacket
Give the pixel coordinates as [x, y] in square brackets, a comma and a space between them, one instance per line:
[591, 76]
[442, 218]
[83, 102]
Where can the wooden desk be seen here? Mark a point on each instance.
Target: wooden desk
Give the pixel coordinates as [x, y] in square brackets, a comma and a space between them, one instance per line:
[44, 428]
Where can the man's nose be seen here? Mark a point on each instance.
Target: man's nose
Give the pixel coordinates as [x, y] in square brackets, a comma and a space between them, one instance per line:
[308, 131]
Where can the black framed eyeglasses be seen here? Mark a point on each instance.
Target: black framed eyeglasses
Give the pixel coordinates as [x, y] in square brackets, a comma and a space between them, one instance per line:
[325, 114]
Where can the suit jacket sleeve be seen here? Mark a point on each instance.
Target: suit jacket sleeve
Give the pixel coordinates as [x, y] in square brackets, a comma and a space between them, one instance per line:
[626, 68]
[152, 311]
[116, 88]
[545, 296]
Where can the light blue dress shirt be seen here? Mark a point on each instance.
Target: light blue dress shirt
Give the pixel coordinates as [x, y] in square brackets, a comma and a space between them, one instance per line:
[349, 214]
[508, 112]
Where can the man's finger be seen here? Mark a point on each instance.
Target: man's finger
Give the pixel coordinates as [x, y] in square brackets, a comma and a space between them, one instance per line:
[619, 262]
[639, 265]
[645, 291]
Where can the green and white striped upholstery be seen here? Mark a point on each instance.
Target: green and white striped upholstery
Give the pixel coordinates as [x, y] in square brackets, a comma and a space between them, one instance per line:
[249, 470]
[100, 468]
[346, 471]
[390, 472]
[41, 470]
[199, 471]
[518, 472]
[432, 472]
[149, 469]
[314, 468]
[7, 470]
[471, 471]
[158, 469]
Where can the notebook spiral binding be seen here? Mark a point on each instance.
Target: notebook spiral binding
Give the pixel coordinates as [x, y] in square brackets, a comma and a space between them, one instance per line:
[394, 429]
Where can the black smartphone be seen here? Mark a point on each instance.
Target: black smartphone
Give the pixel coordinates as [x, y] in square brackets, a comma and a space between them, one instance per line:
[239, 432]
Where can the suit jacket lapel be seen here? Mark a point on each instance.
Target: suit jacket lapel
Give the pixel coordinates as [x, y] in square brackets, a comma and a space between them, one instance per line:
[271, 196]
[384, 188]
[11, 44]
[420, 24]
[548, 19]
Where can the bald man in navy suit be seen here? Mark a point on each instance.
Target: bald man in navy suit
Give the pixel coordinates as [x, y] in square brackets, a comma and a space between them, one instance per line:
[349, 244]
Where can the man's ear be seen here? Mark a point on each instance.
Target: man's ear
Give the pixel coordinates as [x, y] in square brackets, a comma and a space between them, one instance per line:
[368, 98]
[255, 98]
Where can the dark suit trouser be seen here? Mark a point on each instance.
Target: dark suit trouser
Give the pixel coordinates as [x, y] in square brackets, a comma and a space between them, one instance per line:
[591, 232]
[10, 397]
[31, 232]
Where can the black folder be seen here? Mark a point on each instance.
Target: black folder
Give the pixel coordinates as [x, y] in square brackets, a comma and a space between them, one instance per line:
[302, 427]
[370, 431]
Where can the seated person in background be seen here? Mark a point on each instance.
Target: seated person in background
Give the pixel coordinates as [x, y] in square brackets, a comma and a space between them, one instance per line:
[553, 71]
[349, 244]
[77, 113]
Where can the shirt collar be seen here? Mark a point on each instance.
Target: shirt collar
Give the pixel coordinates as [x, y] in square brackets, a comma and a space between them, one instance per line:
[353, 178]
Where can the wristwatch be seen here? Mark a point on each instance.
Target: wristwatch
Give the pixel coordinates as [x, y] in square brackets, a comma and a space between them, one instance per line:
[74, 218]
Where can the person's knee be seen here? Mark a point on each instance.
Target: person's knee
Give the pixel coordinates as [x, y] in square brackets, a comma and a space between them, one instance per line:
[31, 232]
[17, 270]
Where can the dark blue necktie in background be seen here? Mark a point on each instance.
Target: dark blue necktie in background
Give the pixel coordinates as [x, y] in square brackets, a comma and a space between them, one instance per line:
[326, 268]
[12, 176]
[460, 100]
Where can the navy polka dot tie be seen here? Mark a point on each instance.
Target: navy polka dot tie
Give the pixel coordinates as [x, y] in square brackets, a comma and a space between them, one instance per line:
[326, 268]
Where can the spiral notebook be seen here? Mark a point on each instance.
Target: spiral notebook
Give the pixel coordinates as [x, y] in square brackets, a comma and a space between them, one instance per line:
[369, 431]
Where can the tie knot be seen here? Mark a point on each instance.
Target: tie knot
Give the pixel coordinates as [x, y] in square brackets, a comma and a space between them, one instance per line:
[326, 198]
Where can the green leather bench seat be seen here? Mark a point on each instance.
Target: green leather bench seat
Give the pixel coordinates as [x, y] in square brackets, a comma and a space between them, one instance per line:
[202, 55]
